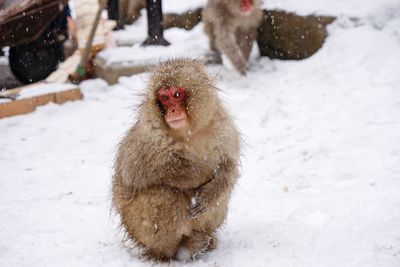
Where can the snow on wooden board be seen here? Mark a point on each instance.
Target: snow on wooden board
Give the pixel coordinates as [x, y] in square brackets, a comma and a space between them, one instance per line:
[183, 43]
[44, 88]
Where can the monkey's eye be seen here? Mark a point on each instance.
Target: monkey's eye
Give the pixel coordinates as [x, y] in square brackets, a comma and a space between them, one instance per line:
[164, 97]
[179, 94]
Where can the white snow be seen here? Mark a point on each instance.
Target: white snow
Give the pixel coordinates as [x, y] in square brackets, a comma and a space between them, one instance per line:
[178, 7]
[5, 100]
[193, 202]
[183, 254]
[320, 183]
[183, 44]
[44, 88]
[354, 8]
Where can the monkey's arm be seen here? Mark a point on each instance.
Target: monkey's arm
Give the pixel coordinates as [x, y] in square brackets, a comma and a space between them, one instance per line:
[183, 172]
[220, 185]
[143, 163]
[164, 169]
[225, 40]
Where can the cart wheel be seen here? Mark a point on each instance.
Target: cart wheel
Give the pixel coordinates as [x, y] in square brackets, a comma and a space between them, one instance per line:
[30, 63]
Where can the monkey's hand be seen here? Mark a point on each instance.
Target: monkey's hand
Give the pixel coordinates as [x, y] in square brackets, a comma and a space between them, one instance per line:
[198, 204]
[207, 195]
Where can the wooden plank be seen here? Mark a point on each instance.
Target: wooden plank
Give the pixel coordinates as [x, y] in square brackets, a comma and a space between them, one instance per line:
[27, 105]
[68, 95]
[16, 108]
[112, 73]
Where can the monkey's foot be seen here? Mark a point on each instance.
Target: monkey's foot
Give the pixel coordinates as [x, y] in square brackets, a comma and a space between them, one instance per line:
[197, 243]
[213, 58]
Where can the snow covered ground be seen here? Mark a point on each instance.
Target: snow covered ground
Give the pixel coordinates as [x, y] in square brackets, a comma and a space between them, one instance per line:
[320, 182]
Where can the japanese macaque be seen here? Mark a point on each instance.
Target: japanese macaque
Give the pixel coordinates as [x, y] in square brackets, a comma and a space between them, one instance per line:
[231, 26]
[176, 167]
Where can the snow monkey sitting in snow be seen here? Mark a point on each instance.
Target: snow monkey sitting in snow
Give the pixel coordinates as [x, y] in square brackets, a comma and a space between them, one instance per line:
[231, 26]
[176, 167]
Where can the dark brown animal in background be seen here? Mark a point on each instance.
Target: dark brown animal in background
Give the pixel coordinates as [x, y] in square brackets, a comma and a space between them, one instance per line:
[130, 10]
[286, 35]
[187, 20]
[231, 26]
[176, 167]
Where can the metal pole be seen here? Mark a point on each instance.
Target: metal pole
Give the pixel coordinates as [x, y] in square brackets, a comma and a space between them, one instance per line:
[114, 13]
[154, 26]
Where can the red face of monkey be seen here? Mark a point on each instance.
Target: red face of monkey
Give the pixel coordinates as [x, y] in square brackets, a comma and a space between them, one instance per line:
[246, 5]
[173, 102]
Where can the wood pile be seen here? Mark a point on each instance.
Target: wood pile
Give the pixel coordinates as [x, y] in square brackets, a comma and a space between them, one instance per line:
[55, 88]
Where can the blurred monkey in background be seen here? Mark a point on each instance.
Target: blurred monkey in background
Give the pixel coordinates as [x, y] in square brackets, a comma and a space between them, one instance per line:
[231, 26]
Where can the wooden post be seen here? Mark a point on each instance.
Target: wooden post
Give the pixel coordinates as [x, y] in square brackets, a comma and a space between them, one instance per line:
[154, 26]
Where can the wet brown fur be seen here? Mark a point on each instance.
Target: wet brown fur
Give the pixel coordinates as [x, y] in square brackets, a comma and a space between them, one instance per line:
[230, 31]
[158, 171]
[286, 35]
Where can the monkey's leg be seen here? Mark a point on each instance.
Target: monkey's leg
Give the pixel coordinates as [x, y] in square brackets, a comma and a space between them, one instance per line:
[214, 56]
[226, 42]
[245, 40]
[157, 220]
[209, 30]
[202, 238]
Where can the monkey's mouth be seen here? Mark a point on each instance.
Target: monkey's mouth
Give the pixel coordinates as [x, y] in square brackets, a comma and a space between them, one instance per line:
[176, 116]
[177, 123]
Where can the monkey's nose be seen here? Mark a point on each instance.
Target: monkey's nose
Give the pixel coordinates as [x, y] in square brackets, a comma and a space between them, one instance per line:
[173, 110]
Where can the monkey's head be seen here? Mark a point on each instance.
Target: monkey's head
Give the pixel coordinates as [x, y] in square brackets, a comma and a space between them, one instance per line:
[246, 5]
[181, 95]
[242, 6]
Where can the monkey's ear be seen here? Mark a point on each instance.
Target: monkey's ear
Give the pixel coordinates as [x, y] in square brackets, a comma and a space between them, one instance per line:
[188, 94]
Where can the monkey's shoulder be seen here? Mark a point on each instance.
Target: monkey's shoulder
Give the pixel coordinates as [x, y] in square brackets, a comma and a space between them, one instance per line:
[220, 140]
[141, 141]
